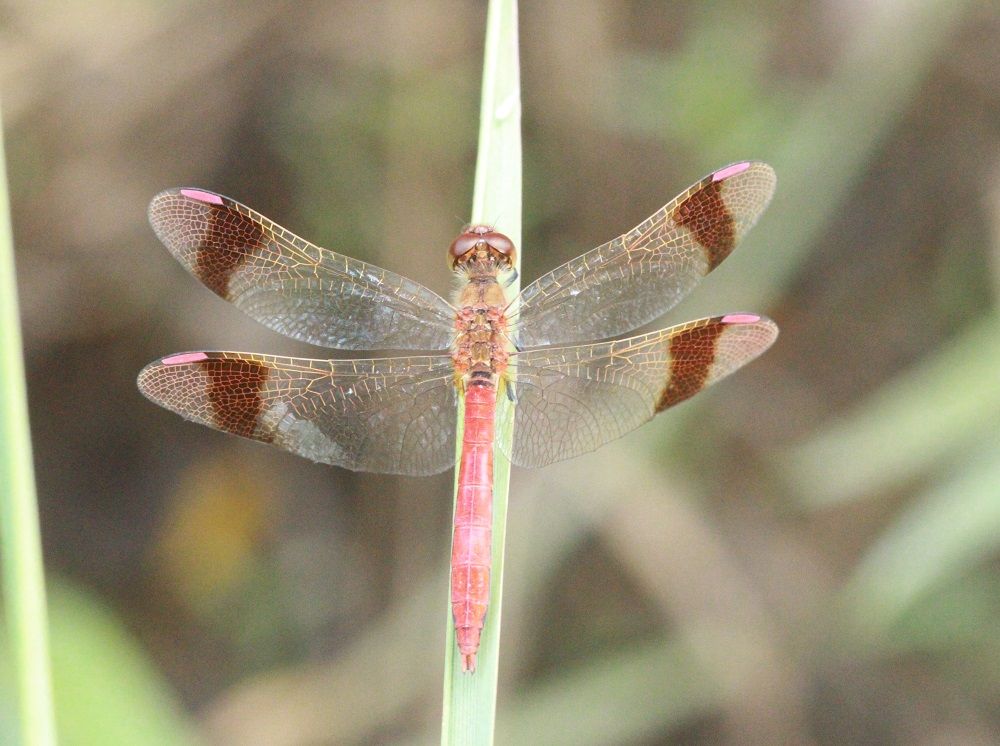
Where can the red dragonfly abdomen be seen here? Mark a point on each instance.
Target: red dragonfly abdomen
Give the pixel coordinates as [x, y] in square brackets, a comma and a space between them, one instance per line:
[471, 546]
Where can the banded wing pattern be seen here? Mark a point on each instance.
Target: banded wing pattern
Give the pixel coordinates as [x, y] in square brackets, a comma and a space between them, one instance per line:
[293, 286]
[390, 415]
[640, 275]
[398, 415]
[572, 400]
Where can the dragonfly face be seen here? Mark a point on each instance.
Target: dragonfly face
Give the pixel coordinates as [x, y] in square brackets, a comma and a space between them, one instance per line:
[481, 243]
[398, 415]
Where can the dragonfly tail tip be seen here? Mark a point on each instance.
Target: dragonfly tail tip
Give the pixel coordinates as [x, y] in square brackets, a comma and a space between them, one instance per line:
[469, 663]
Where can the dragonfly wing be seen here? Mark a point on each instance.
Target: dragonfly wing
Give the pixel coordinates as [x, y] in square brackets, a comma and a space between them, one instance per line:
[293, 286]
[393, 415]
[638, 276]
[572, 400]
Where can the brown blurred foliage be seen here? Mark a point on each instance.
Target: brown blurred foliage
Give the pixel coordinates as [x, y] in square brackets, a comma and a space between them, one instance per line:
[679, 573]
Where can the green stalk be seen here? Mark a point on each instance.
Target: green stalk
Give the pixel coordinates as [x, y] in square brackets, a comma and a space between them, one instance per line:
[20, 541]
[470, 699]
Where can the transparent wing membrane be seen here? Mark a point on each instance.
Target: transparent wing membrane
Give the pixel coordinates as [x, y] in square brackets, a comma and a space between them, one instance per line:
[640, 275]
[293, 286]
[397, 415]
[572, 400]
[391, 415]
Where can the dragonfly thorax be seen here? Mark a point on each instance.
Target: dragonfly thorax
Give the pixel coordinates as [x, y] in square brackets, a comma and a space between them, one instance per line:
[481, 342]
[396, 415]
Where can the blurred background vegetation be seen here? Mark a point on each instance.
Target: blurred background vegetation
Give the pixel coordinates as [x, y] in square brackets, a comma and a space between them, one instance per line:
[808, 554]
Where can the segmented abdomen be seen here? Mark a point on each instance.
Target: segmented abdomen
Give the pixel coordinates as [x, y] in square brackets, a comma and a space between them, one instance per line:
[471, 545]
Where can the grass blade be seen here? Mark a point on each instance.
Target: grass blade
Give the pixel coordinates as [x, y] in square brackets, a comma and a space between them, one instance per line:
[20, 541]
[469, 708]
[944, 405]
[935, 542]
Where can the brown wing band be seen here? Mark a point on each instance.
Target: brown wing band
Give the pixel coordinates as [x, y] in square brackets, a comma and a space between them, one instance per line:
[691, 356]
[234, 393]
[225, 248]
[705, 214]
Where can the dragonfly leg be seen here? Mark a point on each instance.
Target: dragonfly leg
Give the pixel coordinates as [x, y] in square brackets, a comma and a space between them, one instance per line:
[509, 390]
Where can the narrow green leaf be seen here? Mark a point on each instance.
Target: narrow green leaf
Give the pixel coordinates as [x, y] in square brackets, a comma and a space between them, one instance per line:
[20, 540]
[628, 697]
[937, 539]
[868, 91]
[945, 404]
[469, 709]
[107, 690]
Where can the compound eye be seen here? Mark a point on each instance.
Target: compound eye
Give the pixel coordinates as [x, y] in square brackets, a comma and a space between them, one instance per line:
[499, 242]
[462, 245]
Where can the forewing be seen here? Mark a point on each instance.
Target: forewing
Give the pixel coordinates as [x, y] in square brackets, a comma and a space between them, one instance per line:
[572, 400]
[640, 275]
[293, 286]
[393, 415]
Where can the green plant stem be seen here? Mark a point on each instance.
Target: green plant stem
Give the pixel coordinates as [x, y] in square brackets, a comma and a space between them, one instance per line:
[469, 709]
[20, 541]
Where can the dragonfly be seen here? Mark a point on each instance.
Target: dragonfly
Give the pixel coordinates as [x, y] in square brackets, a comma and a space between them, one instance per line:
[550, 353]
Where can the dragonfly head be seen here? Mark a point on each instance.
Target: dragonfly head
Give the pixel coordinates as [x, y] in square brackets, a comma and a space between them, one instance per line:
[482, 244]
